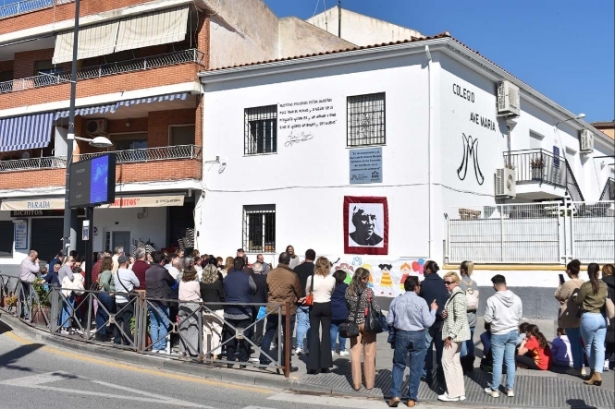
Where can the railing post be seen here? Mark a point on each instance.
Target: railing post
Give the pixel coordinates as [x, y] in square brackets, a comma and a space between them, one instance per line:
[88, 327]
[55, 310]
[287, 341]
[502, 233]
[145, 63]
[140, 321]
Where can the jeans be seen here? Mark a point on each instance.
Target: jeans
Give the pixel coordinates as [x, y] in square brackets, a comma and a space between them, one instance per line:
[67, 312]
[270, 332]
[574, 335]
[503, 347]
[467, 347]
[593, 331]
[335, 337]
[433, 336]
[106, 304]
[303, 325]
[159, 323]
[408, 343]
[26, 299]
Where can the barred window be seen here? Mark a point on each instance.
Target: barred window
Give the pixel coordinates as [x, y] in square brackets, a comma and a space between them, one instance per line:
[366, 120]
[261, 130]
[259, 228]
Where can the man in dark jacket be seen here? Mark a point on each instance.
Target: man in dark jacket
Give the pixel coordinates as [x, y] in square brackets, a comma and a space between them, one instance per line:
[259, 297]
[433, 288]
[304, 270]
[158, 282]
[239, 288]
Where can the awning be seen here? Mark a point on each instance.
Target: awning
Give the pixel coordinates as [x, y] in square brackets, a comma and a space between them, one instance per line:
[121, 202]
[25, 132]
[146, 201]
[94, 40]
[111, 108]
[55, 203]
[163, 27]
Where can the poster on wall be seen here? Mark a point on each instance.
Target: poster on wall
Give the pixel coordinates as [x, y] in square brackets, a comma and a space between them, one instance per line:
[366, 225]
[21, 234]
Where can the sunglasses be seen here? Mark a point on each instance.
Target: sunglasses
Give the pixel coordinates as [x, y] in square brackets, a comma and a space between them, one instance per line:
[449, 282]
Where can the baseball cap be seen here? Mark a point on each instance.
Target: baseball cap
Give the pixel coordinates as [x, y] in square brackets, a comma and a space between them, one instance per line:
[240, 251]
[122, 259]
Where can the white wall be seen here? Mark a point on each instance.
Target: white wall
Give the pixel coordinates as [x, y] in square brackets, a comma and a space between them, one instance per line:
[307, 181]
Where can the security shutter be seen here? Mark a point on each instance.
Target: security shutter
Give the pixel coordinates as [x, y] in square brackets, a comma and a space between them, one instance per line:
[6, 238]
[47, 237]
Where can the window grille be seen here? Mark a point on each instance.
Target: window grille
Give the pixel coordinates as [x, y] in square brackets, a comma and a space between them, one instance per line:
[261, 130]
[366, 120]
[259, 228]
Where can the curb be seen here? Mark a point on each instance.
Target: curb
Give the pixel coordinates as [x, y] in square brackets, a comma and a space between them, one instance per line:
[189, 368]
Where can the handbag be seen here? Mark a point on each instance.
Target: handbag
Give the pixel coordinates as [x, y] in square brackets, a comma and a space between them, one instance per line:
[609, 308]
[309, 299]
[373, 318]
[350, 329]
[472, 297]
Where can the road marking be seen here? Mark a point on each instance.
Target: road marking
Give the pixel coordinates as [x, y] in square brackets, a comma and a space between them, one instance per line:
[38, 381]
[329, 401]
[151, 372]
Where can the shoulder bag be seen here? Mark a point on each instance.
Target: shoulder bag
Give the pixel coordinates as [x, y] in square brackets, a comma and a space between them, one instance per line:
[350, 329]
[373, 318]
[471, 297]
[309, 299]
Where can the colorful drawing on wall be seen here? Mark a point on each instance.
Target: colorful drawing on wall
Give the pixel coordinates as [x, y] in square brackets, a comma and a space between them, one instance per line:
[366, 225]
[470, 150]
[406, 271]
[348, 269]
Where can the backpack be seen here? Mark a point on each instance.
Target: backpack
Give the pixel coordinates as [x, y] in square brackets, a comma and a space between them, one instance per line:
[472, 297]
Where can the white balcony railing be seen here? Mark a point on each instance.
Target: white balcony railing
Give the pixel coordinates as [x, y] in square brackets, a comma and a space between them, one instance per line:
[138, 64]
[124, 156]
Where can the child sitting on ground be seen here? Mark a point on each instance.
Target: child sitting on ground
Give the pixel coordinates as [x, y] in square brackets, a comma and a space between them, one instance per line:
[560, 349]
[522, 332]
[534, 351]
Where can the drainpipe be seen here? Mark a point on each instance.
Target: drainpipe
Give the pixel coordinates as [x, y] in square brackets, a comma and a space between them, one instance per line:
[429, 137]
[339, 18]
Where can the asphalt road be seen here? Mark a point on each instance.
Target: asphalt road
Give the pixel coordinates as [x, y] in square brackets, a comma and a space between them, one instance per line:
[33, 375]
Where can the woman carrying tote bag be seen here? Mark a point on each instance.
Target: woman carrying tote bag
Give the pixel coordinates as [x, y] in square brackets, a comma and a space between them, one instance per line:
[356, 299]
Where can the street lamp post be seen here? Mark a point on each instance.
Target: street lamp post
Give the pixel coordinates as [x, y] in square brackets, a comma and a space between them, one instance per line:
[70, 220]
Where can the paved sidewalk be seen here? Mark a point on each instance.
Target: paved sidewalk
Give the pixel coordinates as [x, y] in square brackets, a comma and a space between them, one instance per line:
[534, 389]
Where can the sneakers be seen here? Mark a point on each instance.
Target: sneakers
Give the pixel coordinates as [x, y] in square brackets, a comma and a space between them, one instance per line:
[606, 367]
[445, 398]
[299, 351]
[510, 393]
[344, 353]
[494, 394]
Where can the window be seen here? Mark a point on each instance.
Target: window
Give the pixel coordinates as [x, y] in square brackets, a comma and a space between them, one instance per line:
[181, 135]
[366, 120]
[259, 228]
[134, 140]
[261, 130]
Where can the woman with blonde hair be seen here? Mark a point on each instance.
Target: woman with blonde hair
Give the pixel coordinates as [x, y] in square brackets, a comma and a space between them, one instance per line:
[212, 293]
[228, 266]
[455, 331]
[357, 296]
[321, 285]
[468, 285]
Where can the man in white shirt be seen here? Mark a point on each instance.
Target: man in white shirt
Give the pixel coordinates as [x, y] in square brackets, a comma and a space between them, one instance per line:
[117, 252]
[125, 282]
[27, 275]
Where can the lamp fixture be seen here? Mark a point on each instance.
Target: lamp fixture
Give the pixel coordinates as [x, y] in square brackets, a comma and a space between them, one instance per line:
[97, 142]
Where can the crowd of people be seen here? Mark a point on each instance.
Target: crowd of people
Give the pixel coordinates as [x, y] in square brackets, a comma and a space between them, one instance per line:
[437, 315]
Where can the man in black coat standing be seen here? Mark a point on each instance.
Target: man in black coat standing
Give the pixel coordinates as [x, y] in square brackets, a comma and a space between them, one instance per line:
[260, 297]
[433, 289]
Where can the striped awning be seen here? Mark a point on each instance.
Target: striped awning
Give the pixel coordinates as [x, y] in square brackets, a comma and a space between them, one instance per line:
[111, 108]
[25, 132]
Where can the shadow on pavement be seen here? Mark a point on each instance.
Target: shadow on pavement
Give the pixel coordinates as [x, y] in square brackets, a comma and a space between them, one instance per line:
[9, 359]
[579, 404]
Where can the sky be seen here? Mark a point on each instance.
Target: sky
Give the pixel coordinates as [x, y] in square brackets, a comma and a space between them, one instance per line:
[563, 48]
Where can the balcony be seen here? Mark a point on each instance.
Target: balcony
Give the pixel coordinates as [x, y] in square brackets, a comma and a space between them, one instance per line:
[540, 174]
[105, 70]
[133, 165]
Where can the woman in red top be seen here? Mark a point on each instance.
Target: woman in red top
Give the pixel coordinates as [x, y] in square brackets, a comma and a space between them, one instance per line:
[534, 351]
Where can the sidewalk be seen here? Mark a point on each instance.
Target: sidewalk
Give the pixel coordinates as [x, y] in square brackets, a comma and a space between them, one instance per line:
[533, 389]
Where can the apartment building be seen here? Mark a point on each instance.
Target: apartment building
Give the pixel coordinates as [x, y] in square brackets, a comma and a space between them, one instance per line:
[137, 85]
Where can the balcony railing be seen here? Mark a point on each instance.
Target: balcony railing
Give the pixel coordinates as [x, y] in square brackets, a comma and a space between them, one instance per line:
[139, 64]
[125, 156]
[25, 6]
[538, 165]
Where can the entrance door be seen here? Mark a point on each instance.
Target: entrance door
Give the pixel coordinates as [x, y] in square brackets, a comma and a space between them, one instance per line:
[121, 238]
[47, 237]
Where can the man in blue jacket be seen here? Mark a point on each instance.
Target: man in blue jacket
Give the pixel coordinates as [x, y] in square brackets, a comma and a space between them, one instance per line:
[433, 289]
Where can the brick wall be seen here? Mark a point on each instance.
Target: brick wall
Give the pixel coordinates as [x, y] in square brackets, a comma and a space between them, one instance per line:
[125, 173]
[159, 121]
[23, 65]
[62, 12]
[106, 85]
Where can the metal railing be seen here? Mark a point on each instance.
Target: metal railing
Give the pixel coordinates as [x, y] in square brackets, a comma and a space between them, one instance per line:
[198, 331]
[24, 6]
[138, 64]
[538, 165]
[124, 156]
[593, 231]
[608, 193]
[572, 187]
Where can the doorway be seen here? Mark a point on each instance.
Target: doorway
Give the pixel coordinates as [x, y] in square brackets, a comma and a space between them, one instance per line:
[121, 238]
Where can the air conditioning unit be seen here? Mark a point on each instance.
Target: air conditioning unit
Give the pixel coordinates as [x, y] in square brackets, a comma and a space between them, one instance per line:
[586, 140]
[96, 127]
[509, 101]
[505, 183]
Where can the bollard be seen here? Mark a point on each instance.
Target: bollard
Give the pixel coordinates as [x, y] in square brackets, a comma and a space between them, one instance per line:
[287, 341]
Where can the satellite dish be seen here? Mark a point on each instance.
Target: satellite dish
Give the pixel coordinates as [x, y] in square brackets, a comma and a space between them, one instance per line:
[25, 155]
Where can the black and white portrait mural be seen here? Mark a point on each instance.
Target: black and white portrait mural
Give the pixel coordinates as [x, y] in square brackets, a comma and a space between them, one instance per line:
[365, 225]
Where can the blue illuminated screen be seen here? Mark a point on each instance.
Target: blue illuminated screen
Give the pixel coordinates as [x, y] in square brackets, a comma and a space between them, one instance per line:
[98, 179]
